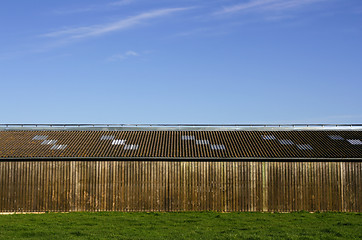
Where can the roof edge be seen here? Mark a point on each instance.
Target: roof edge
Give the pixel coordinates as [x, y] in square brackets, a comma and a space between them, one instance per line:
[179, 127]
[307, 159]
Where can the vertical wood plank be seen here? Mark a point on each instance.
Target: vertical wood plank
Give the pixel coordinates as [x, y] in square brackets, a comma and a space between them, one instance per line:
[179, 186]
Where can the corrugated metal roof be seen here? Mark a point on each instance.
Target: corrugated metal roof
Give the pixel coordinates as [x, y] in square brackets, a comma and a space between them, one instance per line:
[181, 144]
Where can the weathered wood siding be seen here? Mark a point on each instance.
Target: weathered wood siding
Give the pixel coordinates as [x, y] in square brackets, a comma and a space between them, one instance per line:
[38, 186]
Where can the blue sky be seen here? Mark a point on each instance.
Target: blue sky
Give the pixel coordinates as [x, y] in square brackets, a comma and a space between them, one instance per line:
[185, 61]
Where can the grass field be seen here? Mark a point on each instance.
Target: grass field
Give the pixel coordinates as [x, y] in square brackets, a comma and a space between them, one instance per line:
[185, 225]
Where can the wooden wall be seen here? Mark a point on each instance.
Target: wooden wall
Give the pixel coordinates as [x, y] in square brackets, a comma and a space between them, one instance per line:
[29, 186]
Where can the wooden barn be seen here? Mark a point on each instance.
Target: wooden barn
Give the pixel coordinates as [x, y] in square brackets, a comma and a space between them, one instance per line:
[180, 168]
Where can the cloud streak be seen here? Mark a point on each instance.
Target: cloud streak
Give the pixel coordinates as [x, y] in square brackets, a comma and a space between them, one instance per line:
[123, 56]
[97, 30]
[120, 3]
[266, 5]
[94, 7]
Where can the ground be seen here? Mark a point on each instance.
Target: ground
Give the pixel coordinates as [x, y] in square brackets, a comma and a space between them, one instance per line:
[183, 225]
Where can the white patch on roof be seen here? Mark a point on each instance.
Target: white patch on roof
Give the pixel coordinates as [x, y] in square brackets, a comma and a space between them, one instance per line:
[107, 137]
[40, 137]
[217, 147]
[202, 142]
[286, 142]
[58, 147]
[186, 137]
[118, 142]
[268, 137]
[355, 141]
[49, 142]
[305, 147]
[130, 147]
[335, 137]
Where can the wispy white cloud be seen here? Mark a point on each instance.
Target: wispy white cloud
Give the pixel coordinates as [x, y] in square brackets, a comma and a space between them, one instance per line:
[282, 5]
[277, 17]
[74, 10]
[94, 7]
[96, 30]
[124, 56]
[121, 3]
[204, 31]
[132, 53]
[245, 6]
[193, 32]
[266, 5]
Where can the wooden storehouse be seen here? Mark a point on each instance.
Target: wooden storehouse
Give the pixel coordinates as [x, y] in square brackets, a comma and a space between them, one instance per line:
[180, 168]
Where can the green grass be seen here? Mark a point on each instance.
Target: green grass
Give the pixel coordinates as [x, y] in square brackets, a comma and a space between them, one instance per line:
[185, 225]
